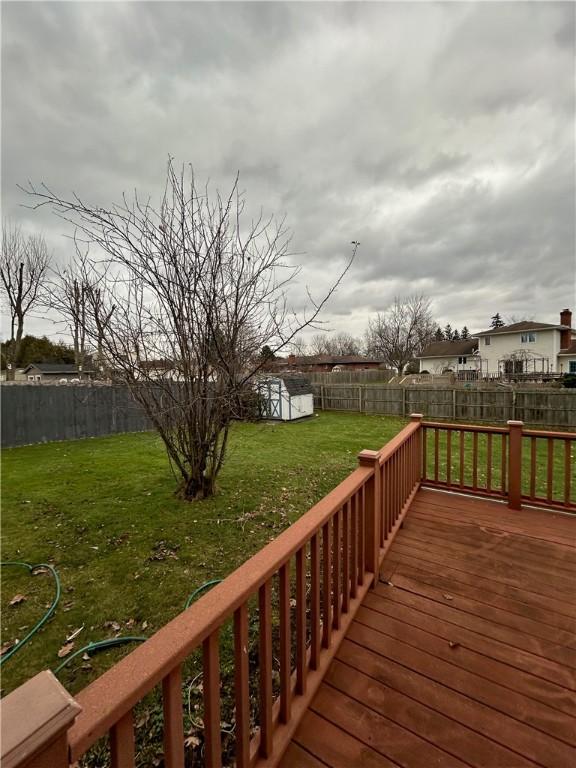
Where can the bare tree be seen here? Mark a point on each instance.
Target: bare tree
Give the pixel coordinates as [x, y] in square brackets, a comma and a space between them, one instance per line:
[23, 267]
[298, 347]
[198, 292]
[402, 331]
[344, 344]
[319, 344]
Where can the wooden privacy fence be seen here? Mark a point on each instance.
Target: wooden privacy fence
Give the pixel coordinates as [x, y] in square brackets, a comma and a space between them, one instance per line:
[334, 552]
[544, 407]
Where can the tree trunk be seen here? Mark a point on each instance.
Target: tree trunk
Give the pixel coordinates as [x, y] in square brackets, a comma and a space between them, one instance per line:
[196, 488]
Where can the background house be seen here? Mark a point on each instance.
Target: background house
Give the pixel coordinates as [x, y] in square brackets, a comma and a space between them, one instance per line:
[450, 356]
[51, 373]
[324, 363]
[529, 347]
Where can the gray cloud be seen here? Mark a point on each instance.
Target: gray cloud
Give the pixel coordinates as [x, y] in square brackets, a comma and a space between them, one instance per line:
[439, 135]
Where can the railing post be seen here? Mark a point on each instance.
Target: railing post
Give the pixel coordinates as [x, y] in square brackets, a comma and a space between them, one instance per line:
[372, 510]
[35, 722]
[515, 464]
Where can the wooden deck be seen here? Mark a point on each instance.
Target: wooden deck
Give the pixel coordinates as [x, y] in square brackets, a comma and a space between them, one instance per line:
[464, 652]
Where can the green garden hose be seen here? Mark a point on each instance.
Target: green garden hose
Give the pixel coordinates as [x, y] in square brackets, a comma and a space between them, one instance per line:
[201, 589]
[48, 613]
[101, 645]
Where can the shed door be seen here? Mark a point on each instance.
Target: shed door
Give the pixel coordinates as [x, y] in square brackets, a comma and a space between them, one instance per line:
[271, 400]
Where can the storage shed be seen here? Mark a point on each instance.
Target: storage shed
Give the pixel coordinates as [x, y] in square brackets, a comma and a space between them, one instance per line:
[286, 398]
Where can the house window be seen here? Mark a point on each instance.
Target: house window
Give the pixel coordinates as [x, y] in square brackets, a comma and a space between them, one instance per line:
[528, 338]
[38, 378]
[462, 361]
[30, 378]
[572, 366]
[487, 341]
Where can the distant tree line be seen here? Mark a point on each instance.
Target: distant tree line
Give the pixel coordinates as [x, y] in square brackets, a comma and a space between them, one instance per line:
[35, 349]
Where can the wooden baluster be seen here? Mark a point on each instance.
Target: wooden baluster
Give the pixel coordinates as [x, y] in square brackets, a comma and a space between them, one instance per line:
[515, 465]
[265, 660]
[475, 460]
[462, 439]
[315, 602]
[448, 456]
[285, 644]
[504, 463]
[489, 462]
[424, 453]
[436, 443]
[326, 585]
[301, 621]
[336, 556]
[173, 719]
[362, 537]
[211, 683]
[241, 687]
[533, 467]
[355, 536]
[550, 470]
[346, 557]
[567, 472]
[122, 749]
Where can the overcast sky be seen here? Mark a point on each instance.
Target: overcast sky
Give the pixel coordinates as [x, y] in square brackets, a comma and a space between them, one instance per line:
[441, 136]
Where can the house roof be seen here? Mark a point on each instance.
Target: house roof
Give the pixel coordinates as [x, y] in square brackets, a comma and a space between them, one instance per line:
[524, 325]
[53, 367]
[297, 385]
[571, 350]
[450, 348]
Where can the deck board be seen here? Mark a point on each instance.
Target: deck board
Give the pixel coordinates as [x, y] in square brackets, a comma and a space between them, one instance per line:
[463, 653]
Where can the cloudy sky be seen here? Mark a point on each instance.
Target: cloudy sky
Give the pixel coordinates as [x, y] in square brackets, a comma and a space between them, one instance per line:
[441, 136]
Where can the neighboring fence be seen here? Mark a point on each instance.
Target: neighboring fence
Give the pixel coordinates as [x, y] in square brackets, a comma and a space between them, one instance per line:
[40, 413]
[545, 407]
[371, 376]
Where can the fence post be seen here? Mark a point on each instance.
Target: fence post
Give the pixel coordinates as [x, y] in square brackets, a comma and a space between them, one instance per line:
[360, 398]
[404, 401]
[321, 397]
[35, 722]
[419, 467]
[372, 511]
[453, 403]
[515, 464]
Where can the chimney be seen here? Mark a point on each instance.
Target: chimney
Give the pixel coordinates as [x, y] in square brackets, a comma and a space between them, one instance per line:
[566, 334]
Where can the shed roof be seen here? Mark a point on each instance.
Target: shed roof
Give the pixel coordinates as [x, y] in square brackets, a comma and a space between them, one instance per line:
[297, 385]
[53, 367]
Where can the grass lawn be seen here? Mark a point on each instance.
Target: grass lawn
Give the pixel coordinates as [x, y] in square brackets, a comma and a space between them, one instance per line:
[128, 552]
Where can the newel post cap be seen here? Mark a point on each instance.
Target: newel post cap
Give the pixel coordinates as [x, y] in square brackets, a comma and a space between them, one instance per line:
[33, 715]
[368, 458]
[514, 423]
[416, 417]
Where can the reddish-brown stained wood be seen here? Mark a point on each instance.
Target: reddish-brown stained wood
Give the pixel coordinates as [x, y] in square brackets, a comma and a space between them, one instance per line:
[567, 472]
[424, 453]
[504, 462]
[336, 562]
[315, 602]
[475, 460]
[173, 719]
[362, 536]
[295, 756]
[533, 467]
[300, 622]
[449, 457]
[326, 585]
[550, 470]
[462, 438]
[285, 671]
[122, 749]
[436, 453]
[211, 683]
[346, 557]
[241, 687]
[489, 461]
[354, 580]
[265, 664]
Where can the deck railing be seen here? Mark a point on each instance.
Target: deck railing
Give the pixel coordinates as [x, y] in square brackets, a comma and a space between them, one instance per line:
[334, 552]
[512, 463]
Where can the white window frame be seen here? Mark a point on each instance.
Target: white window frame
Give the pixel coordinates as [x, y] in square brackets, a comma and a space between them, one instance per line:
[572, 366]
[487, 341]
[528, 338]
[462, 360]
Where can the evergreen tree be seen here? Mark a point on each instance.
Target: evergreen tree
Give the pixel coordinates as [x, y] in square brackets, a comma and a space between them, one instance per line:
[456, 335]
[448, 332]
[464, 333]
[438, 336]
[497, 321]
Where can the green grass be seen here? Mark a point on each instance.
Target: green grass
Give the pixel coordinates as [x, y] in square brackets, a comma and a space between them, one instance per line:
[102, 509]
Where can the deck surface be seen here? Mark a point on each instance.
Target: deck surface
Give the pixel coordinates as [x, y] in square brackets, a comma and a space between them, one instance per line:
[463, 654]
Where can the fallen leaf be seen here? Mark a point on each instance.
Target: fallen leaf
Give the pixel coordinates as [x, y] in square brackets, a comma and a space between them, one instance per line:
[192, 741]
[453, 645]
[144, 625]
[17, 599]
[292, 602]
[112, 625]
[7, 646]
[447, 597]
[65, 650]
[85, 656]
[74, 634]
[130, 623]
